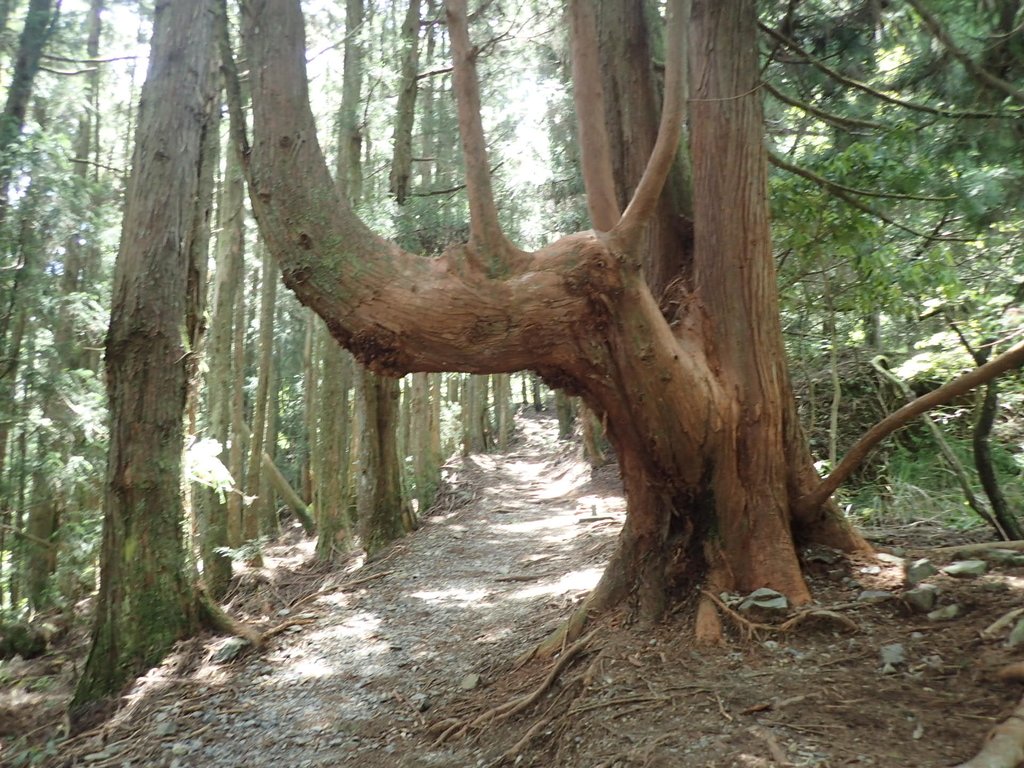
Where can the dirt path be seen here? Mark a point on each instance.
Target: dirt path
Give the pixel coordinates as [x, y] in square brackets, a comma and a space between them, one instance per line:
[427, 634]
[432, 621]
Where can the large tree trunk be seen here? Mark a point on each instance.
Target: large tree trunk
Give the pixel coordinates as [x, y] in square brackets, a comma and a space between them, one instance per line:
[700, 413]
[146, 600]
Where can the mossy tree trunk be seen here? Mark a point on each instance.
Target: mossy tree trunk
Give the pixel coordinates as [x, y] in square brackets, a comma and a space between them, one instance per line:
[146, 600]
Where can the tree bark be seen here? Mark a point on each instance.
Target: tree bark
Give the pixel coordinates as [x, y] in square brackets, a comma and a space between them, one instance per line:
[700, 412]
[146, 601]
[405, 110]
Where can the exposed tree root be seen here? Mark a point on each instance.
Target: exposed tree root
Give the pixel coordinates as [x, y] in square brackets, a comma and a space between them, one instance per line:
[561, 637]
[510, 708]
[1004, 745]
[750, 628]
[217, 618]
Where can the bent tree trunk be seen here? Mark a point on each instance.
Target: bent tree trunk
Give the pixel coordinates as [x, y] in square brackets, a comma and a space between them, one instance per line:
[700, 413]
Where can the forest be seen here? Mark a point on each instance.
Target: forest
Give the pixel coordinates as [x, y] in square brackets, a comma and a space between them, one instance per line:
[599, 383]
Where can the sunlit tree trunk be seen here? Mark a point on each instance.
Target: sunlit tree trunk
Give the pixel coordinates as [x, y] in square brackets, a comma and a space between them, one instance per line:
[146, 600]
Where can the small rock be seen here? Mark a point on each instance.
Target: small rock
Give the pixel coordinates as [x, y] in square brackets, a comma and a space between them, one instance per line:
[919, 570]
[230, 650]
[1005, 556]
[469, 682]
[822, 554]
[945, 613]
[888, 669]
[421, 701]
[893, 654]
[180, 748]
[874, 596]
[885, 557]
[966, 568]
[922, 598]
[765, 599]
[871, 570]
[97, 756]
[165, 728]
[1016, 635]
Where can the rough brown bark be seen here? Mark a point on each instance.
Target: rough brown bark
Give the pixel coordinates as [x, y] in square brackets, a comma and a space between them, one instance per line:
[146, 601]
[700, 413]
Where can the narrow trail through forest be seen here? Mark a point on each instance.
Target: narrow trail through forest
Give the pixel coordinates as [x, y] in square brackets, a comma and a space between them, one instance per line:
[381, 658]
[515, 542]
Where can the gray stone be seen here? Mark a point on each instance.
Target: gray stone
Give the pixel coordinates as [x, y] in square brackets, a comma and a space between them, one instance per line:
[885, 557]
[1016, 635]
[919, 570]
[922, 598]
[230, 650]
[470, 681]
[966, 568]
[945, 613]
[874, 596]
[766, 600]
[893, 654]
[1005, 556]
[165, 728]
[421, 701]
[180, 748]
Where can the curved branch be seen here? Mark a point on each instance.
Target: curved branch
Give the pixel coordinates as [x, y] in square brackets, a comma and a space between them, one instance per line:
[645, 198]
[1012, 358]
[821, 181]
[588, 95]
[847, 196]
[975, 70]
[841, 78]
[397, 312]
[845, 123]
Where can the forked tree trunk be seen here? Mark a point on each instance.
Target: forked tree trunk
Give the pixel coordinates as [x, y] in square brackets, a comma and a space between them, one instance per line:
[700, 413]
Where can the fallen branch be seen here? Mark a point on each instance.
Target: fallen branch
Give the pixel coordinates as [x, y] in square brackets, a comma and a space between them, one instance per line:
[992, 630]
[1004, 745]
[1009, 360]
[969, 549]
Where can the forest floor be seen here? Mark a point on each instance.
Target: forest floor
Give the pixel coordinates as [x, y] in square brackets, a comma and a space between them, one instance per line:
[401, 661]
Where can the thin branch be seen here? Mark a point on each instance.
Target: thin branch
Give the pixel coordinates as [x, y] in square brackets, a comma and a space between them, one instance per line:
[839, 191]
[66, 60]
[67, 72]
[588, 94]
[839, 121]
[27, 536]
[485, 229]
[821, 181]
[976, 71]
[1009, 360]
[645, 198]
[839, 77]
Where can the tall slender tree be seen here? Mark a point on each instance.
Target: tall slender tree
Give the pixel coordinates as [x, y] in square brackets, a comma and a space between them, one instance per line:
[146, 599]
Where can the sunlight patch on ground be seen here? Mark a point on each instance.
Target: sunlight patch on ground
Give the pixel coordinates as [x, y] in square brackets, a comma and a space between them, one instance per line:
[453, 595]
[542, 524]
[574, 581]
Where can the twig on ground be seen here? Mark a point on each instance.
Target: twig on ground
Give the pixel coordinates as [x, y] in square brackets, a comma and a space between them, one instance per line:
[774, 748]
[997, 626]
